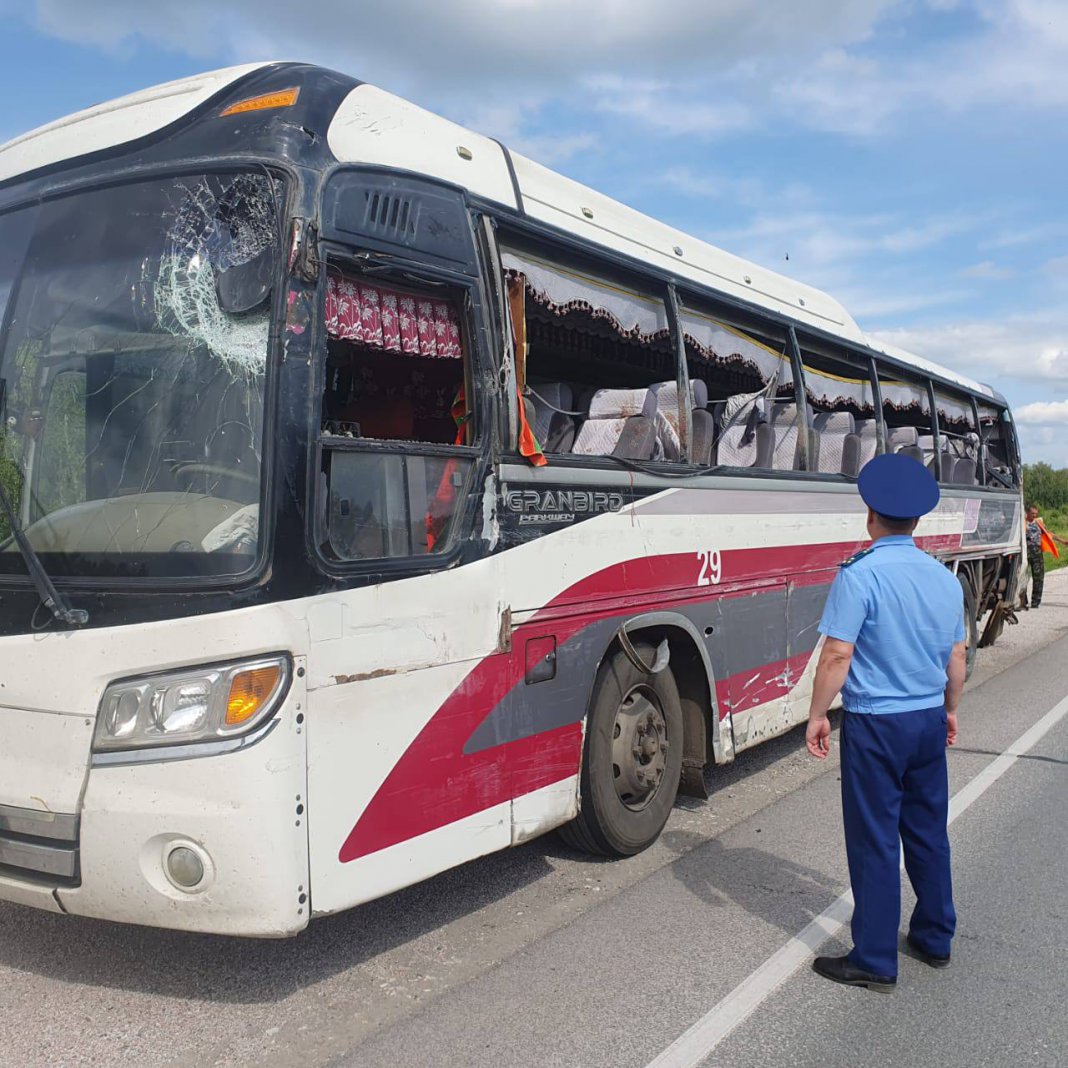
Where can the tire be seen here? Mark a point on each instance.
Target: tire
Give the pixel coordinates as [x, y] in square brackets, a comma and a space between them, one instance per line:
[971, 624]
[631, 758]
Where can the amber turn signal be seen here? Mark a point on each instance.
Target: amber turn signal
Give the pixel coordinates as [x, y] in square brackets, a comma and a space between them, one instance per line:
[249, 692]
[284, 98]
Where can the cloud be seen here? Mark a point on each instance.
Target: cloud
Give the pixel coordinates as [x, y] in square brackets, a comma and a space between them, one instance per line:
[1043, 413]
[1031, 348]
[987, 269]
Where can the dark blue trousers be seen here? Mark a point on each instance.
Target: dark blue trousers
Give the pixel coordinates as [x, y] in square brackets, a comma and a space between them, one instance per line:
[895, 785]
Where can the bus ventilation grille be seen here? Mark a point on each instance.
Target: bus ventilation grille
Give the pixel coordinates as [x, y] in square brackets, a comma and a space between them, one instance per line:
[391, 215]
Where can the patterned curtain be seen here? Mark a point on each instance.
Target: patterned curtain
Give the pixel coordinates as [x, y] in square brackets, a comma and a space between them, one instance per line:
[386, 319]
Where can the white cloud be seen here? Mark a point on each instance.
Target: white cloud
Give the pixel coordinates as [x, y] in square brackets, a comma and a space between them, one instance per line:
[1033, 348]
[1044, 413]
[686, 68]
[1058, 266]
[987, 269]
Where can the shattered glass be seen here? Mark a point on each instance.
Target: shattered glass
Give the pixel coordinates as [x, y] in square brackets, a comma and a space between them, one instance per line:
[132, 370]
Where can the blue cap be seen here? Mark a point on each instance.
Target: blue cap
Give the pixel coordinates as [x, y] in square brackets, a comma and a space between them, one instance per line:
[898, 487]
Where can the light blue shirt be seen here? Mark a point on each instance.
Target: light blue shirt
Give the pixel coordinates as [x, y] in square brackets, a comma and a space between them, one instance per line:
[903, 612]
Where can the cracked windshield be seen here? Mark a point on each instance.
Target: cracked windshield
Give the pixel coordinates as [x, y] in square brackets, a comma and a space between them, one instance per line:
[134, 350]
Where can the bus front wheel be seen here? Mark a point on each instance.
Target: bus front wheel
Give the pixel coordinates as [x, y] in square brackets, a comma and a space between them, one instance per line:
[632, 757]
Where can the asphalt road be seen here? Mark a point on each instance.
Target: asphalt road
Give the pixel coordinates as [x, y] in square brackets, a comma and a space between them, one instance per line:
[541, 957]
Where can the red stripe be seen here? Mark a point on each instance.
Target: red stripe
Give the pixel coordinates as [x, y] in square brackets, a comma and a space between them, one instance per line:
[435, 783]
[757, 686]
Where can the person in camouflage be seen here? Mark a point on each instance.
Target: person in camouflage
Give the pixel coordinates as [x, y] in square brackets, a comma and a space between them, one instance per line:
[1034, 532]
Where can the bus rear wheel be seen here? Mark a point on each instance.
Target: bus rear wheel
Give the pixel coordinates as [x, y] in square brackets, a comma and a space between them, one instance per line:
[632, 757]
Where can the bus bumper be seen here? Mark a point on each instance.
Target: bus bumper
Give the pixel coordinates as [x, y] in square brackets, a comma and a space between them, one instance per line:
[241, 814]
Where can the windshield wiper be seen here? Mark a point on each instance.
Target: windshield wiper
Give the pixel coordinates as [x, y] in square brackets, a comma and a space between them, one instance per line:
[51, 598]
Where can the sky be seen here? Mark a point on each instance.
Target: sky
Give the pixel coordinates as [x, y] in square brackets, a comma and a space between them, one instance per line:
[907, 156]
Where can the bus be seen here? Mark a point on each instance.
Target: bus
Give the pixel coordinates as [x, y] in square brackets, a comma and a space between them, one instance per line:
[373, 498]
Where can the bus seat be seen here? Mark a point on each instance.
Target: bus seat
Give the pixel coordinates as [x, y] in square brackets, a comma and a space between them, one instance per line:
[622, 422]
[835, 430]
[786, 427]
[867, 431]
[552, 426]
[701, 422]
[746, 440]
[905, 440]
[964, 471]
[703, 437]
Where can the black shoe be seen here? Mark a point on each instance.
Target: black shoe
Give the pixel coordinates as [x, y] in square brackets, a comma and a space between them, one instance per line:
[839, 970]
[934, 960]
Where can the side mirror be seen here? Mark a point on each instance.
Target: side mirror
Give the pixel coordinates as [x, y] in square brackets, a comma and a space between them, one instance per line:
[246, 285]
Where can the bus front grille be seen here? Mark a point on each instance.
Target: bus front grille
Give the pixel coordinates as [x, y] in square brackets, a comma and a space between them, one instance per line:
[39, 845]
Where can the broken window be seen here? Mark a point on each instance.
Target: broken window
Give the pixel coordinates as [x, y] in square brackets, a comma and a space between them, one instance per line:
[997, 434]
[397, 429]
[132, 373]
[745, 407]
[958, 439]
[594, 362]
[842, 403]
[907, 413]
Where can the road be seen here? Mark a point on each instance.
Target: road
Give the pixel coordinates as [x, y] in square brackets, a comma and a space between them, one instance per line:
[541, 957]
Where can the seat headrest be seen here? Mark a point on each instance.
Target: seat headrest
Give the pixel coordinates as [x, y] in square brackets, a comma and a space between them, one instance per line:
[903, 436]
[835, 423]
[667, 395]
[783, 413]
[622, 403]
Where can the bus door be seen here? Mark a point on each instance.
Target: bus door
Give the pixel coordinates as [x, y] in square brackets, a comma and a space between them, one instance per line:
[401, 655]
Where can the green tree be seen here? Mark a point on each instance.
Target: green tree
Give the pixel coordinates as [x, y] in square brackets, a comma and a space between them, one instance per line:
[1045, 487]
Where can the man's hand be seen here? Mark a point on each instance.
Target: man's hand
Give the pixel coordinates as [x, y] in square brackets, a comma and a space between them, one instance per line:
[831, 674]
[951, 728]
[818, 737]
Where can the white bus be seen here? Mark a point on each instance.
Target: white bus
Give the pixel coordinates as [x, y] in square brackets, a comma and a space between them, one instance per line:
[374, 498]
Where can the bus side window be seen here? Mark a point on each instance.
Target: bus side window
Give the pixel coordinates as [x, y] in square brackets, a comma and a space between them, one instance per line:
[844, 424]
[959, 439]
[395, 425]
[745, 377]
[907, 413]
[595, 364]
[996, 451]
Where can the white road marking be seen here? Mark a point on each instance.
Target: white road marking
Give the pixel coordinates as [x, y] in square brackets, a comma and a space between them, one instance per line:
[693, 1046]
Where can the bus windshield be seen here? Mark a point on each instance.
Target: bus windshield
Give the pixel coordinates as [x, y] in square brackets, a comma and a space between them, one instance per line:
[133, 358]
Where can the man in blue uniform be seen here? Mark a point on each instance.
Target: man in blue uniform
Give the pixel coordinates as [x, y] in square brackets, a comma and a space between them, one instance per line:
[894, 647]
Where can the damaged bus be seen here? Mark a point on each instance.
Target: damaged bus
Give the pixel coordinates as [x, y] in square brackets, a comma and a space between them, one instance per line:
[373, 498]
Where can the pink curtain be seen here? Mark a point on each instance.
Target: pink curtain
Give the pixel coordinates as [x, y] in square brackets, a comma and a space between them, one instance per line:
[397, 322]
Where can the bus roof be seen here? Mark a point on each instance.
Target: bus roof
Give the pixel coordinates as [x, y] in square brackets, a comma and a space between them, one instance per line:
[376, 127]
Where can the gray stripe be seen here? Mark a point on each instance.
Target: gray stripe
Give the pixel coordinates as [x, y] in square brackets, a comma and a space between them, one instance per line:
[544, 706]
[552, 475]
[748, 633]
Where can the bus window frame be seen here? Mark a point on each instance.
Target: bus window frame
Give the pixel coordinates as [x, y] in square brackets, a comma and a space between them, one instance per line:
[734, 311]
[59, 185]
[936, 431]
[478, 373]
[865, 364]
[580, 258]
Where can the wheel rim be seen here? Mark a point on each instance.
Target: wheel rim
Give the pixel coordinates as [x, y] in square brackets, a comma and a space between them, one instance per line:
[639, 748]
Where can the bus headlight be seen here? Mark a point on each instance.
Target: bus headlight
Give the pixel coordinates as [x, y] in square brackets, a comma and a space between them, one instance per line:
[193, 705]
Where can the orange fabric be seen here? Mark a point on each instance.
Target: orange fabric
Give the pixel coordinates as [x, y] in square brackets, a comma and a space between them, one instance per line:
[1048, 544]
[441, 507]
[517, 309]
